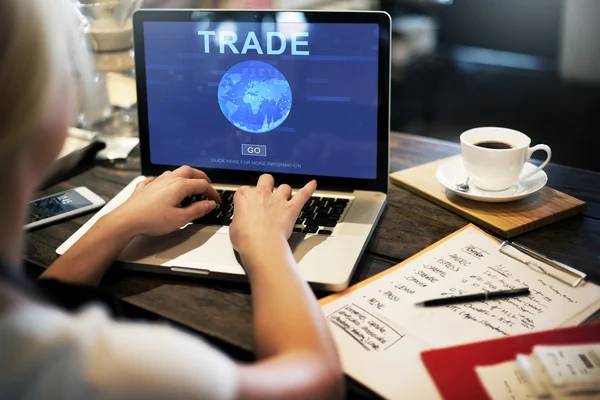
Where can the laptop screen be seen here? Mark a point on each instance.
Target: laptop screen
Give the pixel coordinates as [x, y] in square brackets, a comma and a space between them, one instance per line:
[281, 96]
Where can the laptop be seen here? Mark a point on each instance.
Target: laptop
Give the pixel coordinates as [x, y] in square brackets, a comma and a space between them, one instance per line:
[299, 95]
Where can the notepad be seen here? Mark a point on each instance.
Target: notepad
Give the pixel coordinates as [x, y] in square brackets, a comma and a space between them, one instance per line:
[380, 333]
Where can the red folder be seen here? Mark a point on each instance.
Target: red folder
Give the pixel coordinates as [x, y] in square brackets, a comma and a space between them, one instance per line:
[453, 368]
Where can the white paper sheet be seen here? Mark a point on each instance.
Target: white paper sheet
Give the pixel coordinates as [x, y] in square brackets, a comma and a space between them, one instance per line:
[379, 353]
[466, 263]
[505, 381]
[117, 147]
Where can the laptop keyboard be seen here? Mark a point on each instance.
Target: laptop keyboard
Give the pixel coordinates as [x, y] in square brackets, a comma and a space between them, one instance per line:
[318, 216]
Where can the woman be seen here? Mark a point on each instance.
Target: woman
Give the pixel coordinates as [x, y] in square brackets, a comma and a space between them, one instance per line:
[48, 352]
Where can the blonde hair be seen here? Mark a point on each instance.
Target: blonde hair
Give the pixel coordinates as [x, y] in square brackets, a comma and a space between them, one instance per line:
[40, 45]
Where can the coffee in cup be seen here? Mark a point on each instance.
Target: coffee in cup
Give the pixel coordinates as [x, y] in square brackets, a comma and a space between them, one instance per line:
[494, 157]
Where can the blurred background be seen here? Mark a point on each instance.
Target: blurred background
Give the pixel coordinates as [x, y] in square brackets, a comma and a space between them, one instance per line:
[530, 65]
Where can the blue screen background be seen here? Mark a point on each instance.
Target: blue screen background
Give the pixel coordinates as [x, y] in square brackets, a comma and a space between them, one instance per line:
[331, 129]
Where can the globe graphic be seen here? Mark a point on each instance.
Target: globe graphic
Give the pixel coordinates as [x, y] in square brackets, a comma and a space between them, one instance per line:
[254, 96]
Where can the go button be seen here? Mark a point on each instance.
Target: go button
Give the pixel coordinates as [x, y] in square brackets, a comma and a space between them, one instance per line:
[256, 150]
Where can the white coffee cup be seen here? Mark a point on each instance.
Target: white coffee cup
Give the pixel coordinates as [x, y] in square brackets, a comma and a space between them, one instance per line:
[496, 169]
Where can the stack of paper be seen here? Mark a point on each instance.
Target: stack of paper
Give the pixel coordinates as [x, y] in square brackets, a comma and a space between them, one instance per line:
[563, 371]
[570, 372]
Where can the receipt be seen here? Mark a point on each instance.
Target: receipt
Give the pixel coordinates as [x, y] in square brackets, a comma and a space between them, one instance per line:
[576, 367]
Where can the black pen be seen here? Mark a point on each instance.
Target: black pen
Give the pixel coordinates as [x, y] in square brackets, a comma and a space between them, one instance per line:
[475, 297]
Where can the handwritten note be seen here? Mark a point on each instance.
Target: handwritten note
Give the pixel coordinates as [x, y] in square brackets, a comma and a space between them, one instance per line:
[466, 263]
[368, 330]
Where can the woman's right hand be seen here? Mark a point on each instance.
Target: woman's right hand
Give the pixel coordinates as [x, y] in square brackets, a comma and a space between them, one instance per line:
[291, 336]
[262, 216]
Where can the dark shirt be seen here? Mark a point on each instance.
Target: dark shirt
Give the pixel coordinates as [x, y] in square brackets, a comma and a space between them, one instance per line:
[65, 295]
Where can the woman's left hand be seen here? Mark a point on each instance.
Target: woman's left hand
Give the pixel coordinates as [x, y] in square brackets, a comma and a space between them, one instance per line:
[153, 208]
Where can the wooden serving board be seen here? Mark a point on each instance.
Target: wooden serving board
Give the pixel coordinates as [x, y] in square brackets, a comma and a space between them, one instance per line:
[506, 219]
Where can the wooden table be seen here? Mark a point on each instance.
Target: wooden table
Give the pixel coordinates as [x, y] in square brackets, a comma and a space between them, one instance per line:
[222, 311]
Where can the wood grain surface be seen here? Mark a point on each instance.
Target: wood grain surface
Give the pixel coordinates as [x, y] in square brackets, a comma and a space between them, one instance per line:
[222, 311]
[505, 219]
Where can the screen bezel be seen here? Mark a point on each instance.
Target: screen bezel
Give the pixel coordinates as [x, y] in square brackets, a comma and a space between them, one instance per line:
[226, 176]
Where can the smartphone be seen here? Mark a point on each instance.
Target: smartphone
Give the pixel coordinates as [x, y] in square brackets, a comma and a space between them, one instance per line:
[63, 205]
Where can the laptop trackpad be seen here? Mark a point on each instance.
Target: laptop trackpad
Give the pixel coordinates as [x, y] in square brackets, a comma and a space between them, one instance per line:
[192, 238]
[170, 246]
[301, 244]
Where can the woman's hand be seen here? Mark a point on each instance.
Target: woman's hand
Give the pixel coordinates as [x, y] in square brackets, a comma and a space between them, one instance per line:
[153, 208]
[260, 214]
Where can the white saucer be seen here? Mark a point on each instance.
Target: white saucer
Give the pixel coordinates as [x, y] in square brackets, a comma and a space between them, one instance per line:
[453, 172]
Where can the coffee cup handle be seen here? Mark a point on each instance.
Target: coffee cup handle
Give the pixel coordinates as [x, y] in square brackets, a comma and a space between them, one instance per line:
[530, 151]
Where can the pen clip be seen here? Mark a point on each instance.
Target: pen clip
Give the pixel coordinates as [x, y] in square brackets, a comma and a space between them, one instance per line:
[553, 268]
